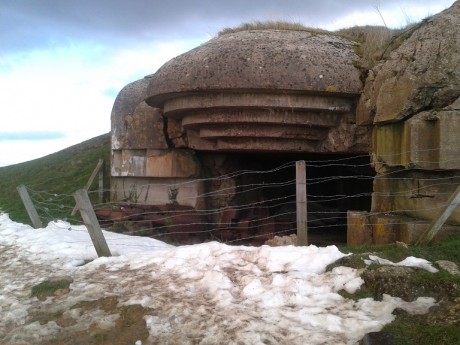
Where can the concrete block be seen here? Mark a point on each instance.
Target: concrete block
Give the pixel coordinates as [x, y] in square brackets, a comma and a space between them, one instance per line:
[128, 163]
[359, 231]
[385, 229]
[417, 194]
[449, 139]
[157, 191]
[412, 230]
[388, 144]
[172, 163]
[428, 141]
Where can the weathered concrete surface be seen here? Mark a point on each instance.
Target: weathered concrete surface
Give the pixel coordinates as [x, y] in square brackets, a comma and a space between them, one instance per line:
[422, 73]
[359, 229]
[429, 140]
[128, 162]
[261, 60]
[347, 137]
[413, 100]
[262, 90]
[155, 163]
[136, 125]
[261, 116]
[269, 99]
[365, 228]
[417, 194]
[172, 163]
[157, 191]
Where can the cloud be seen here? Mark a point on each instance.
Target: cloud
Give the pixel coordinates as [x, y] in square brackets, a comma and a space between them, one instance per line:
[34, 23]
[67, 81]
[63, 62]
[31, 135]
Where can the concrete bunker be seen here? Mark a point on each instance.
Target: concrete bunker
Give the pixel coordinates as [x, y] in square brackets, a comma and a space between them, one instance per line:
[263, 98]
[238, 103]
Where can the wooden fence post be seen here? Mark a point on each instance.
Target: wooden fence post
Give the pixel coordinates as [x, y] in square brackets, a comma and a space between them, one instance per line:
[96, 170]
[28, 204]
[301, 204]
[91, 222]
[101, 182]
[439, 221]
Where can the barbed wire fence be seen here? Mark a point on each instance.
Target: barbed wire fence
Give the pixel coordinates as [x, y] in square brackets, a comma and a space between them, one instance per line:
[260, 219]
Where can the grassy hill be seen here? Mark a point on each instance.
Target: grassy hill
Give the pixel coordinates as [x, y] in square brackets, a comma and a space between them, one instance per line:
[60, 173]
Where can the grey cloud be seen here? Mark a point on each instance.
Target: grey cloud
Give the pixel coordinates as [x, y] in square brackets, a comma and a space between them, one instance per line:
[32, 23]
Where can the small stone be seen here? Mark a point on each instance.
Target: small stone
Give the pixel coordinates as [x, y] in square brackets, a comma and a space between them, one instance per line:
[61, 292]
[449, 266]
[277, 241]
[401, 245]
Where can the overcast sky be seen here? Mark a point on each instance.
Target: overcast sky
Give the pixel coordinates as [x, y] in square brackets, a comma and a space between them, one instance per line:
[63, 62]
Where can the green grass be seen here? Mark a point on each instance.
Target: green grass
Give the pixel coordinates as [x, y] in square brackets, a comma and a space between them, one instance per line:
[440, 324]
[413, 330]
[52, 180]
[48, 287]
[443, 250]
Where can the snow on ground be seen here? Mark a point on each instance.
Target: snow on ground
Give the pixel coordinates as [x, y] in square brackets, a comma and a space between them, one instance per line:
[208, 293]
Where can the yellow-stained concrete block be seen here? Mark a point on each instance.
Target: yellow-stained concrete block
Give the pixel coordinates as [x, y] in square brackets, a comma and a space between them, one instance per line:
[428, 140]
[385, 229]
[359, 231]
[172, 163]
[387, 144]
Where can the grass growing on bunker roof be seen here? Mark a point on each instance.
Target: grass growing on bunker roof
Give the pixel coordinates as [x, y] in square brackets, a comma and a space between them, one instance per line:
[271, 25]
[373, 43]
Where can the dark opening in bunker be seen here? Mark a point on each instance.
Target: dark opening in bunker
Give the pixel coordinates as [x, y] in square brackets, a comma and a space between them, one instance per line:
[256, 194]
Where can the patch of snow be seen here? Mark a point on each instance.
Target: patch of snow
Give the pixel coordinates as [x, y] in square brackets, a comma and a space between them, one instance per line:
[209, 293]
[408, 262]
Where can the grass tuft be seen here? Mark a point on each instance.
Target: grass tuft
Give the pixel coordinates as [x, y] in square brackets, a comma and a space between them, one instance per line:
[48, 287]
[270, 25]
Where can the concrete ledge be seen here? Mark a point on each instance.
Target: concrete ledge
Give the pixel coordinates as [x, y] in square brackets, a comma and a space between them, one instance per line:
[364, 229]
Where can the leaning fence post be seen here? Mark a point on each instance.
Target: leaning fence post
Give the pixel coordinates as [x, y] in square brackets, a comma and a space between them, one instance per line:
[441, 218]
[29, 205]
[101, 182]
[91, 222]
[96, 170]
[301, 203]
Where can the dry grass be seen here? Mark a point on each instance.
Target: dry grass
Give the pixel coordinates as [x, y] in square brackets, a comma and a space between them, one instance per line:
[373, 43]
[270, 25]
